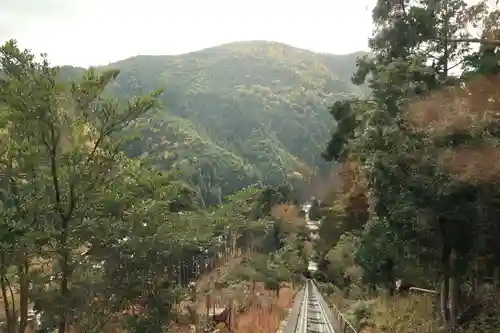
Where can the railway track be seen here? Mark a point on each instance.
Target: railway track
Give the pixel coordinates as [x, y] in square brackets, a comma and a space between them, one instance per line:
[313, 315]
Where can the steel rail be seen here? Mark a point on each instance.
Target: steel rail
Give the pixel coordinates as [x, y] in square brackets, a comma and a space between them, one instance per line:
[313, 316]
[343, 323]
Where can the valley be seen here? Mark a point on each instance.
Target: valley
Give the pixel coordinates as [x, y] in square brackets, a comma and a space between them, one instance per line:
[256, 187]
[237, 114]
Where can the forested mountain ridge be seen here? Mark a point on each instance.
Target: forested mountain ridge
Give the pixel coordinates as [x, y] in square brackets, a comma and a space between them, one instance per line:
[238, 113]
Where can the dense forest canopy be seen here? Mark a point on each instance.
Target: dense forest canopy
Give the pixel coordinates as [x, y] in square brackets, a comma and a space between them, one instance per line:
[419, 197]
[93, 239]
[237, 114]
[122, 186]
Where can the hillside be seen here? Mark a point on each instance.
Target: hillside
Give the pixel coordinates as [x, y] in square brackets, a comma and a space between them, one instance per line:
[239, 113]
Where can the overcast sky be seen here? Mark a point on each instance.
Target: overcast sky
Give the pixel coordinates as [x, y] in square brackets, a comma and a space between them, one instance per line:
[97, 32]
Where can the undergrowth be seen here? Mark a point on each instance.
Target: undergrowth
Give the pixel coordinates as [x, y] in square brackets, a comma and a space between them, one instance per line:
[413, 313]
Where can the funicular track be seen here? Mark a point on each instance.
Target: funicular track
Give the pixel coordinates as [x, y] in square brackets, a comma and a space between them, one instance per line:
[312, 314]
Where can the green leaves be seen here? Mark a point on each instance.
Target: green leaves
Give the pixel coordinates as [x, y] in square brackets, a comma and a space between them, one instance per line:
[71, 197]
[98, 233]
[404, 179]
[262, 123]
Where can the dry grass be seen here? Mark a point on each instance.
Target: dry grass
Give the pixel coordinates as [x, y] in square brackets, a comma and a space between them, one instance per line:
[262, 311]
[263, 316]
[412, 314]
[340, 302]
[259, 320]
[266, 318]
[405, 314]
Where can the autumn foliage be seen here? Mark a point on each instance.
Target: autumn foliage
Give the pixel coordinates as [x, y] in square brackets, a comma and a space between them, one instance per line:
[266, 319]
[289, 213]
[458, 108]
[351, 189]
[471, 109]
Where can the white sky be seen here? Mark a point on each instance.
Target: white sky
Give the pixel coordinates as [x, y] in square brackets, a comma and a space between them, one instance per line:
[97, 32]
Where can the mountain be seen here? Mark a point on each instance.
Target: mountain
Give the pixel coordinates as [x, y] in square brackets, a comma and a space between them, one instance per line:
[237, 114]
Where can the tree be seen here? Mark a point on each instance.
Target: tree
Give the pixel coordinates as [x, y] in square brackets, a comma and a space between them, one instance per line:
[413, 201]
[63, 150]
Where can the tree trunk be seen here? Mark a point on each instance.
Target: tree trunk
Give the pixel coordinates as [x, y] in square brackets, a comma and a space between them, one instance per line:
[444, 300]
[454, 286]
[179, 273]
[455, 290]
[232, 318]
[23, 294]
[208, 303]
[65, 275]
[13, 303]
[234, 237]
[445, 284]
[475, 279]
[10, 323]
[496, 280]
